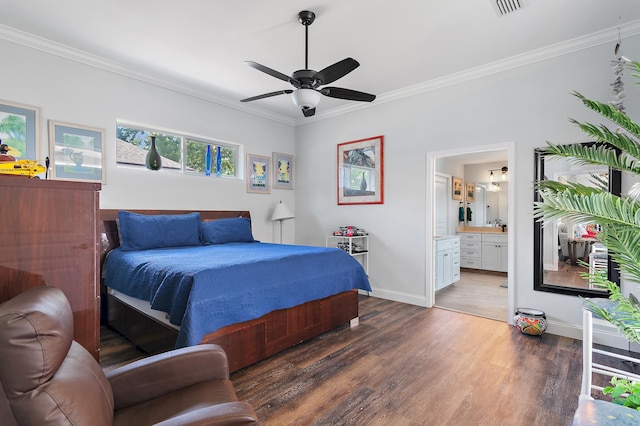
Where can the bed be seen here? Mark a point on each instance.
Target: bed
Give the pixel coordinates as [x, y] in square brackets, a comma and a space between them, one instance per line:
[254, 299]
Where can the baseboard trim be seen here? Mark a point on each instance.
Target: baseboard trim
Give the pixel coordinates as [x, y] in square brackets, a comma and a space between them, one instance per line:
[603, 334]
[399, 297]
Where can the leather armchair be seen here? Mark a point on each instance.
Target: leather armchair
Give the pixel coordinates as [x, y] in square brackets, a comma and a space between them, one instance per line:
[48, 378]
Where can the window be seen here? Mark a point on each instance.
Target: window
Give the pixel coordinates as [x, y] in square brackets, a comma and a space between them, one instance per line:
[202, 158]
[179, 152]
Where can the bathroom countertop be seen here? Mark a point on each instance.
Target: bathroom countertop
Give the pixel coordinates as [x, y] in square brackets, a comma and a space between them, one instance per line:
[481, 229]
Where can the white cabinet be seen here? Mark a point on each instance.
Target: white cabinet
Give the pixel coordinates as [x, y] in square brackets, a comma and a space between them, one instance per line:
[471, 250]
[447, 261]
[357, 246]
[480, 250]
[494, 252]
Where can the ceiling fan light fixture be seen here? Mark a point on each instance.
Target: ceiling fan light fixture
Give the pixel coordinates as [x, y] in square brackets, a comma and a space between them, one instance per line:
[306, 98]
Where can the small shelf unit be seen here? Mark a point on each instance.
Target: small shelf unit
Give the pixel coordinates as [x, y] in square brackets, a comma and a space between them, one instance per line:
[357, 247]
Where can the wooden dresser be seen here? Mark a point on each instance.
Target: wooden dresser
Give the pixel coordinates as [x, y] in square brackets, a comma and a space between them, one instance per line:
[49, 236]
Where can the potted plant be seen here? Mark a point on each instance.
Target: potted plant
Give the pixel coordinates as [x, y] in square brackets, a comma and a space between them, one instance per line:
[618, 216]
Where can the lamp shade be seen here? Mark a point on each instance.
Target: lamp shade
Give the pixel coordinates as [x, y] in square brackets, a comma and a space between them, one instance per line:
[281, 212]
[306, 98]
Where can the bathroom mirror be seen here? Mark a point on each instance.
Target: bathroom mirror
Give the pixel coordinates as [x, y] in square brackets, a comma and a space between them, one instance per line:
[559, 246]
[496, 203]
[490, 204]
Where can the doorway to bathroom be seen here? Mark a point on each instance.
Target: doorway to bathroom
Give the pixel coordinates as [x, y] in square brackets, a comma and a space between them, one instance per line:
[476, 221]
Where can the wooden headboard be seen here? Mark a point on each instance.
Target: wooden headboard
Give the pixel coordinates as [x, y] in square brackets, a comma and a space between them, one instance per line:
[109, 238]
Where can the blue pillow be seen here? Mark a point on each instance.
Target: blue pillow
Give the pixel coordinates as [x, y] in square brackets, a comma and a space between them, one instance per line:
[141, 231]
[221, 231]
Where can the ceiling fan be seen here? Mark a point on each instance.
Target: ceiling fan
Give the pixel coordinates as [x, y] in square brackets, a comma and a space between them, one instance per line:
[307, 82]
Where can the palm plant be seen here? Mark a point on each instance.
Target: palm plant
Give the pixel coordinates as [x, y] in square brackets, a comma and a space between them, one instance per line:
[618, 215]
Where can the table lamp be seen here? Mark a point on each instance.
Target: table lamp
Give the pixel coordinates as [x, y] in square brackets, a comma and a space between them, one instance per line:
[280, 213]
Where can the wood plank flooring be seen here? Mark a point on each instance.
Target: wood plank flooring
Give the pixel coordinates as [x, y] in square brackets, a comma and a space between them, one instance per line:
[478, 293]
[567, 275]
[407, 365]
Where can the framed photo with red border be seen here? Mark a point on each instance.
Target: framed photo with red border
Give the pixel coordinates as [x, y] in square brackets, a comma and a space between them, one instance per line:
[361, 171]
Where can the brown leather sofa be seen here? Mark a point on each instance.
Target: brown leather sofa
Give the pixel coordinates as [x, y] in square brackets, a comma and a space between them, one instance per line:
[46, 378]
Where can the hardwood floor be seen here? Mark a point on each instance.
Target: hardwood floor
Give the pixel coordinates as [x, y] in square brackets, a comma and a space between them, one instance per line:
[567, 275]
[477, 293]
[407, 365]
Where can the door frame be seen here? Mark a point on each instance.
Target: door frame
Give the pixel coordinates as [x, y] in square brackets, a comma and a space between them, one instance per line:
[430, 219]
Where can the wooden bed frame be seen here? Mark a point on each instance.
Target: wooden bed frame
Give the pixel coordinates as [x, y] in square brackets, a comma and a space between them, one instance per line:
[245, 343]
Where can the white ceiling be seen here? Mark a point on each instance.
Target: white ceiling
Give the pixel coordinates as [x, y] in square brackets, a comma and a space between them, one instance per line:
[403, 46]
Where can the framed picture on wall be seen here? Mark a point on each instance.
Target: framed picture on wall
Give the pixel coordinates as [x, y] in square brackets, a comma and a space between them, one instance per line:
[76, 152]
[283, 169]
[258, 174]
[20, 130]
[361, 171]
[470, 192]
[456, 188]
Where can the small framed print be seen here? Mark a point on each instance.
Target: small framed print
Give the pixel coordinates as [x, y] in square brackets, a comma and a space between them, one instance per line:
[258, 174]
[283, 169]
[470, 192]
[76, 152]
[456, 188]
[19, 130]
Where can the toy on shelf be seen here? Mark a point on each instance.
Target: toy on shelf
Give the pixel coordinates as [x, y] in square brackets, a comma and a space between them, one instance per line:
[349, 231]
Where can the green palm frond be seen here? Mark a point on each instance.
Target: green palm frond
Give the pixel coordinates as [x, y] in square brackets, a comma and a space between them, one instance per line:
[600, 207]
[634, 65]
[623, 245]
[616, 138]
[573, 187]
[600, 181]
[600, 154]
[609, 112]
[626, 316]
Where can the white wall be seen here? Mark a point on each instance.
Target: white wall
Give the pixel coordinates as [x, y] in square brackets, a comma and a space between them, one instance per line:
[528, 105]
[76, 93]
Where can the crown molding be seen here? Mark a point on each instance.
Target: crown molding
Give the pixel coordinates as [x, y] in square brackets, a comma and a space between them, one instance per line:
[580, 43]
[570, 46]
[67, 52]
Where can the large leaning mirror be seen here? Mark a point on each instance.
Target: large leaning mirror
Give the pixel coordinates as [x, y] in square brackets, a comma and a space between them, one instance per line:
[563, 249]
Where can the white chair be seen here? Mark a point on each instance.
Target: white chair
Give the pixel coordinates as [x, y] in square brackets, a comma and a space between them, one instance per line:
[589, 368]
[590, 410]
[598, 258]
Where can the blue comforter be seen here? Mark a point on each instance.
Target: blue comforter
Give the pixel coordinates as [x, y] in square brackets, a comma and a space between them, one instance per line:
[205, 288]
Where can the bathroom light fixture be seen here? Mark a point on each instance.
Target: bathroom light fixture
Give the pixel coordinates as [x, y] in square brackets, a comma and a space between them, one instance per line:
[504, 170]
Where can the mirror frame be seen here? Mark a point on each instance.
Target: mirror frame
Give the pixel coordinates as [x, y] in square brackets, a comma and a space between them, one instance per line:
[615, 187]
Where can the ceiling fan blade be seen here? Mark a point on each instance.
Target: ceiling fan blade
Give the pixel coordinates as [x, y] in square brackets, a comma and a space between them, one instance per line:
[267, 70]
[336, 71]
[267, 95]
[308, 112]
[351, 95]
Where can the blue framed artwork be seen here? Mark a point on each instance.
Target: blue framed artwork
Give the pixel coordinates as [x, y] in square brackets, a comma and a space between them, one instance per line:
[76, 152]
[282, 171]
[258, 174]
[19, 129]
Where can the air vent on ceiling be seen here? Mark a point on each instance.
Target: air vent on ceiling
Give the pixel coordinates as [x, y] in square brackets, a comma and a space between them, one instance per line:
[505, 7]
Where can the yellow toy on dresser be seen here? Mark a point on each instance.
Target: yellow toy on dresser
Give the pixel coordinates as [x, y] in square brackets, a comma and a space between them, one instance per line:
[9, 165]
[22, 168]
